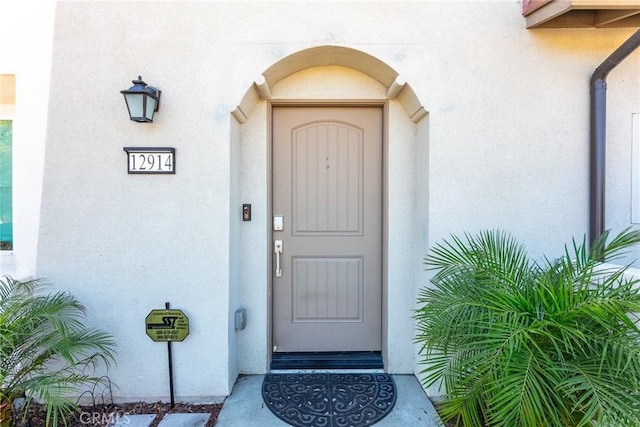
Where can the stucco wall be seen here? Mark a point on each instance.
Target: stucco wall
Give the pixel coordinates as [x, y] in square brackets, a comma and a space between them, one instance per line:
[505, 145]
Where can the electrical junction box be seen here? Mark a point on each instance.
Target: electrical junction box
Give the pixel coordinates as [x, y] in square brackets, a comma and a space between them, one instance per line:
[241, 319]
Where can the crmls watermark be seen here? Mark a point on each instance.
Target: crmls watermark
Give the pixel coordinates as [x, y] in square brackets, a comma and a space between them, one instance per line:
[101, 419]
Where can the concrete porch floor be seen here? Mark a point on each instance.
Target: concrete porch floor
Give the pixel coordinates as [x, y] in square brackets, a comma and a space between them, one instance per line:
[245, 408]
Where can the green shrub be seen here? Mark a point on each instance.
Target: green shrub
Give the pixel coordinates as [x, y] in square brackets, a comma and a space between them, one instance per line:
[46, 351]
[521, 343]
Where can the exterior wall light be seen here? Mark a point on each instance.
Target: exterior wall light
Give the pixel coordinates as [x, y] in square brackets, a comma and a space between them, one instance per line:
[142, 101]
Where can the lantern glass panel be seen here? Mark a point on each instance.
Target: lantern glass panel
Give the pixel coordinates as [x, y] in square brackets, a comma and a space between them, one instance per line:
[151, 108]
[135, 104]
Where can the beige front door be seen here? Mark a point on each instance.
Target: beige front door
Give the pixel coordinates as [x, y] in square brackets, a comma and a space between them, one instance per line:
[327, 228]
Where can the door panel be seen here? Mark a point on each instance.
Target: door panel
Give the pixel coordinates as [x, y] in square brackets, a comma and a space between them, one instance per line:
[327, 198]
[327, 289]
[327, 184]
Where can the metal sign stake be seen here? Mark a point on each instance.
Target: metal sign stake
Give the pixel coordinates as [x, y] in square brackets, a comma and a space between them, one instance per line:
[166, 305]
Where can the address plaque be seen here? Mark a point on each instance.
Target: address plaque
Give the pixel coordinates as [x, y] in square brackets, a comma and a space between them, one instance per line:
[151, 160]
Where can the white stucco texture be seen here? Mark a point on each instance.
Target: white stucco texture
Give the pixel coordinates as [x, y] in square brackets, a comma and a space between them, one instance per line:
[504, 145]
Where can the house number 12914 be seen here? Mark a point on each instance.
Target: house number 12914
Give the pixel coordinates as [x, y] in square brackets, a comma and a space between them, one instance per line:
[150, 160]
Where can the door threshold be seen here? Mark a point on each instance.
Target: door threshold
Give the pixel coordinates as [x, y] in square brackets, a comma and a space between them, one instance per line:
[327, 360]
[326, 371]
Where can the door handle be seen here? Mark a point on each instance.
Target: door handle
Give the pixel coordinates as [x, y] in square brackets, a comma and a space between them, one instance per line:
[277, 247]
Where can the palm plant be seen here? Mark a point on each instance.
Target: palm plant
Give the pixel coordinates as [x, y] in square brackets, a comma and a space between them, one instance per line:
[520, 343]
[46, 351]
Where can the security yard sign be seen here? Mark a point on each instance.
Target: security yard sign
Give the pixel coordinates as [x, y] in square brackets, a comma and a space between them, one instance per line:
[167, 325]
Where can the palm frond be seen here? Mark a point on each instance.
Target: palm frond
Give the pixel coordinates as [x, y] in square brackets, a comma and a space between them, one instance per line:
[39, 331]
[515, 342]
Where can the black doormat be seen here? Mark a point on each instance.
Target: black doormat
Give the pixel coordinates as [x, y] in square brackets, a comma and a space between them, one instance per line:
[331, 400]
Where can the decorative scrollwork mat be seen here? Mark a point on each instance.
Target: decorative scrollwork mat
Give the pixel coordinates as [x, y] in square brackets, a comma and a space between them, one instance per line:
[328, 399]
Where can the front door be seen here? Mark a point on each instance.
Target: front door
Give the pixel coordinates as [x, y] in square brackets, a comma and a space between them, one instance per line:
[327, 228]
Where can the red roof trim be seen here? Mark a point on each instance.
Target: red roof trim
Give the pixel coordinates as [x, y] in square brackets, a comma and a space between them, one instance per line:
[529, 6]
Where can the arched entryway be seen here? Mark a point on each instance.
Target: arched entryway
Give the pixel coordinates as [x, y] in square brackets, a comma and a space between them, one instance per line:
[396, 87]
[335, 76]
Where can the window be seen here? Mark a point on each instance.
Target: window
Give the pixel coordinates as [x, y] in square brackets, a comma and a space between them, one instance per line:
[7, 111]
[6, 187]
